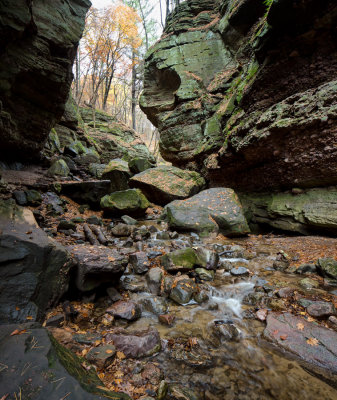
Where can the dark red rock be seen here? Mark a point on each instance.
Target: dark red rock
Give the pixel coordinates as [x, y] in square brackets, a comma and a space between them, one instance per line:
[166, 319]
[126, 310]
[321, 309]
[136, 344]
[313, 345]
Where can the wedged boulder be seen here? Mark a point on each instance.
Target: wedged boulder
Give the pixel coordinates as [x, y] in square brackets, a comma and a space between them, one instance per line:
[313, 345]
[33, 268]
[97, 265]
[130, 201]
[212, 210]
[136, 344]
[88, 192]
[118, 173]
[44, 362]
[138, 165]
[164, 184]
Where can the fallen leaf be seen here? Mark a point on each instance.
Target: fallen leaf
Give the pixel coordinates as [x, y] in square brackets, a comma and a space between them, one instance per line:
[300, 326]
[29, 318]
[4, 397]
[313, 342]
[101, 375]
[283, 337]
[109, 351]
[120, 355]
[18, 332]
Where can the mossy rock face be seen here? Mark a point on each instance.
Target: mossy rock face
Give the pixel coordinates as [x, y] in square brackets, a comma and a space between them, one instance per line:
[208, 92]
[130, 201]
[209, 211]
[164, 184]
[36, 60]
[305, 212]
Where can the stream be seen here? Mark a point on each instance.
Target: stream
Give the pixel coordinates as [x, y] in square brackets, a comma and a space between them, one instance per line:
[216, 350]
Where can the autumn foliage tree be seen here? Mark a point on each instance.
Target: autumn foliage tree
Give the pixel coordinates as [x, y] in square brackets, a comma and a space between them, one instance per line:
[111, 35]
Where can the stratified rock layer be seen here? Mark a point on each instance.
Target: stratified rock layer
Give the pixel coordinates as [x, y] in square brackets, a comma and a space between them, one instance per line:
[33, 268]
[246, 94]
[38, 42]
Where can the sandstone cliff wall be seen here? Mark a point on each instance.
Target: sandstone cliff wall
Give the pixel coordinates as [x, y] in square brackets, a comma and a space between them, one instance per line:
[247, 94]
[38, 42]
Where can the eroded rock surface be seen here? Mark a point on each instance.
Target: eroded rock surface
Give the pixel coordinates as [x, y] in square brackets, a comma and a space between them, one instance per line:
[246, 94]
[38, 46]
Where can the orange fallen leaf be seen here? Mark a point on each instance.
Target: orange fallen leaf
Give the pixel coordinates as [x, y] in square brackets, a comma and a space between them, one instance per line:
[29, 318]
[300, 326]
[18, 332]
[313, 342]
[120, 355]
[109, 351]
[283, 337]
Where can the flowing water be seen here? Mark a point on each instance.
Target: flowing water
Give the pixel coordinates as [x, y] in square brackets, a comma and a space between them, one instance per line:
[217, 348]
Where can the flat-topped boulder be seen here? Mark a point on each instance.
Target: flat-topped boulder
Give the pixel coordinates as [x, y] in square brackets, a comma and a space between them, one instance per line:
[97, 265]
[130, 201]
[313, 344]
[212, 210]
[164, 184]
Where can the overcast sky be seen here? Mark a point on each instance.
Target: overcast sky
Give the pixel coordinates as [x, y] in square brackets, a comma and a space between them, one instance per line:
[105, 3]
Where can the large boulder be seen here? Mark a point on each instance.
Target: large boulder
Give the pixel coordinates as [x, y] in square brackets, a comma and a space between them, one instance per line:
[36, 362]
[38, 42]
[164, 184]
[97, 265]
[209, 211]
[118, 173]
[130, 201]
[33, 268]
[313, 345]
[136, 344]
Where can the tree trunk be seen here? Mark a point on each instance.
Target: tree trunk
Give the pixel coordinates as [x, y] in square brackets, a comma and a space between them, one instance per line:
[133, 91]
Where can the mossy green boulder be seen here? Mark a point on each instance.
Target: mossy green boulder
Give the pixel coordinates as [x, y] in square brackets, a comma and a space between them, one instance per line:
[212, 210]
[164, 184]
[327, 267]
[130, 201]
[180, 260]
[59, 168]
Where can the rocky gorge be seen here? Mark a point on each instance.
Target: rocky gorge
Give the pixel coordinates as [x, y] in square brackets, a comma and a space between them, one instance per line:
[212, 277]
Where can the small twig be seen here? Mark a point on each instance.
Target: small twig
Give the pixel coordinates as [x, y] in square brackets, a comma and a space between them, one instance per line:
[25, 368]
[66, 396]
[3, 367]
